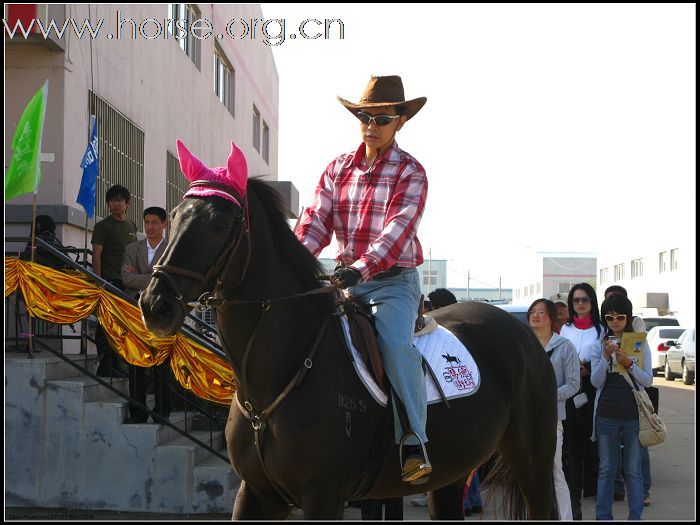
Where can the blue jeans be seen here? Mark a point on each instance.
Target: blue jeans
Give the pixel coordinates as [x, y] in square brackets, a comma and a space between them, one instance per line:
[646, 473]
[610, 432]
[394, 303]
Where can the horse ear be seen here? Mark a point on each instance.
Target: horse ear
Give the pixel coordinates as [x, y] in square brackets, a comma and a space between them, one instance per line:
[237, 169]
[191, 166]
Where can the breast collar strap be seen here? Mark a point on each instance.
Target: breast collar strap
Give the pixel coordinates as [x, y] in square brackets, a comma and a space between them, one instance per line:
[258, 419]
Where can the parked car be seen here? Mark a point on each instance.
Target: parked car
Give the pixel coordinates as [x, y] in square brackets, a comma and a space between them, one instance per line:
[680, 358]
[657, 338]
[518, 311]
[651, 322]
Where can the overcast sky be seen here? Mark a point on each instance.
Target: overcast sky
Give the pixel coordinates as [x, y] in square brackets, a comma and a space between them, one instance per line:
[544, 124]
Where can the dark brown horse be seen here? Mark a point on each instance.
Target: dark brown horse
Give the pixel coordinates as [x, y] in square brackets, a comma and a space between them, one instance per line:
[304, 430]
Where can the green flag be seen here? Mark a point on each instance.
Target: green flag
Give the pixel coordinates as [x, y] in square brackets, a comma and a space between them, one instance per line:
[24, 173]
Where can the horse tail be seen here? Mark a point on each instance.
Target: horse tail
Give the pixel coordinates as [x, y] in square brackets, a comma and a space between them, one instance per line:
[514, 505]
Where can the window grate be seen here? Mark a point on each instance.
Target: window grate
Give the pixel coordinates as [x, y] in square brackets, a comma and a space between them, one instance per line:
[175, 182]
[121, 148]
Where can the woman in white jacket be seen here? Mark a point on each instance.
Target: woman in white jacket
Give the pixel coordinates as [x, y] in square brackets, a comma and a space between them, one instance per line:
[585, 330]
[562, 354]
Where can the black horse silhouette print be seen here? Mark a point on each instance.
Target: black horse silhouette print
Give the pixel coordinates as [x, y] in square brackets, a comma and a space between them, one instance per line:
[451, 359]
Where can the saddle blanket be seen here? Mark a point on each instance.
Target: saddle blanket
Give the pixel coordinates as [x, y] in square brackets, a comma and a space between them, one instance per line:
[449, 359]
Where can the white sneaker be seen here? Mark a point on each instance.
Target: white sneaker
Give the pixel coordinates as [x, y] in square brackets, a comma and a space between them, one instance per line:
[420, 501]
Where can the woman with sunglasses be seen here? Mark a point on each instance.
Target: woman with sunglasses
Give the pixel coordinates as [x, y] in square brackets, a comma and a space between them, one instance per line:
[372, 199]
[585, 331]
[616, 414]
[541, 316]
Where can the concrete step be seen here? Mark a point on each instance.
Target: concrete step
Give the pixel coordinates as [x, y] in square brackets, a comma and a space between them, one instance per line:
[89, 388]
[53, 367]
[215, 486]
[199, 454]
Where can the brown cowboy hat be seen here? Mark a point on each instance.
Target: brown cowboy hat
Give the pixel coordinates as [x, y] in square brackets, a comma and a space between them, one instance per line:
[385, 91]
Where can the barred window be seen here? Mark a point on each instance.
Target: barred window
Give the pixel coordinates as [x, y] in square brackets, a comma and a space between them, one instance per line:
[637, 268]
[603, 275]
[182, 16]
[663, 262]
[266, 142]
[674, 259]
[224, 80]
[430, 278]
[619, 272]
[175, 182]
[121, 157]
[256, 129]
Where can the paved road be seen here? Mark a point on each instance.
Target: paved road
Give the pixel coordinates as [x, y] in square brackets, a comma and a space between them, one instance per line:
[672, 471]
[672, 492]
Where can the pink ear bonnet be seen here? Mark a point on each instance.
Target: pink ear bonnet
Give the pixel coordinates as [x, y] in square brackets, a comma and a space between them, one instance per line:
[234, 175]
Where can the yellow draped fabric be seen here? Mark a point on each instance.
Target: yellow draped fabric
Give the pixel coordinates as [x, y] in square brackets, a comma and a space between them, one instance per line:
[65, 297]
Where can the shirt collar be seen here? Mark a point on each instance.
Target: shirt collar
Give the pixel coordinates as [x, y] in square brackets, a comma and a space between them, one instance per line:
[148, 244]
[390, 155]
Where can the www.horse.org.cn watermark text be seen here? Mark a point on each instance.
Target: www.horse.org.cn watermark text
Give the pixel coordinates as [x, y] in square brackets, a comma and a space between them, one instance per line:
[271, 32]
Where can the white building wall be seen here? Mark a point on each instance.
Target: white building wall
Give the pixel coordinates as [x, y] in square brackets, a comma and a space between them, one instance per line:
[678, 283]
[155, 85]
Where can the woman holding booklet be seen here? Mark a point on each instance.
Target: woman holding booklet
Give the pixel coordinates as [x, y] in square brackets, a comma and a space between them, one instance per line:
[616, 417]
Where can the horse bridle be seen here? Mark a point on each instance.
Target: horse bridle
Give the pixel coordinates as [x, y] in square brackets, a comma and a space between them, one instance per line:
[222, 262]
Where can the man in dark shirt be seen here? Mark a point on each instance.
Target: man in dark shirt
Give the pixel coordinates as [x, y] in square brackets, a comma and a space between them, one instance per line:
[109, 240]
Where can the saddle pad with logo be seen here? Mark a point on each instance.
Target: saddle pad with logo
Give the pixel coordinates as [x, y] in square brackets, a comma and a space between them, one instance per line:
[451, 362]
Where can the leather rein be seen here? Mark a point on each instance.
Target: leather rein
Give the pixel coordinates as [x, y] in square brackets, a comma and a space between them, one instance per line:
[207, 300]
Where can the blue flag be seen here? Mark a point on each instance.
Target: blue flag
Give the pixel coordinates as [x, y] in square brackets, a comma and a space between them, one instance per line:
[86, 195]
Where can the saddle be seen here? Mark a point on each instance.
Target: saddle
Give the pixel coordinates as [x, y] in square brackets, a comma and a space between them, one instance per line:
[363, 334]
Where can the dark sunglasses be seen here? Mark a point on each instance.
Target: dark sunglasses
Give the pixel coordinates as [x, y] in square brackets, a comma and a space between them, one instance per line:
[379, 120]
[581, 300]
[610, 318]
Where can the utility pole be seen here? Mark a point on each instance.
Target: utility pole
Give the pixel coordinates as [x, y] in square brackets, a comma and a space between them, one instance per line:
[430, 270]
[468, 281]
[499, 288]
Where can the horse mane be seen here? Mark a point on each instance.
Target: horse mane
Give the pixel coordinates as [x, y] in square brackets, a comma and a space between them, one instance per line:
[304, 265]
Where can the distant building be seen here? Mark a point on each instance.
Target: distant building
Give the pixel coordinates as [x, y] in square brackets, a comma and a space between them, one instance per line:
[547, 273]
[659, 277]
[489, 295]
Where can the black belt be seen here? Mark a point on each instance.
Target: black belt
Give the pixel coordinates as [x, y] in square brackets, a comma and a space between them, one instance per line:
[391, 272]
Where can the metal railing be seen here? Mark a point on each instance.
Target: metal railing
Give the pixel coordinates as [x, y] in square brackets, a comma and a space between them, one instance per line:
[42, 336]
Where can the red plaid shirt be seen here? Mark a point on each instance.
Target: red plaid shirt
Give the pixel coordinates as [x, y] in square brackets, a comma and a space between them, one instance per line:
[373, 212]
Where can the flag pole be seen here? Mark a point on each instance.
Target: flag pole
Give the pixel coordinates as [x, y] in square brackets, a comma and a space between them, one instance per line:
[37, 171]
[29, 315]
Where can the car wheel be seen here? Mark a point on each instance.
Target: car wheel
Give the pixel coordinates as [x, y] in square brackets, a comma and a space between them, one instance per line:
[688, 377]
[668, 375]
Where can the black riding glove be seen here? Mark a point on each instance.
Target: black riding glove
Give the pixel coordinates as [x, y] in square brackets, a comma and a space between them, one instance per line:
[345, 277]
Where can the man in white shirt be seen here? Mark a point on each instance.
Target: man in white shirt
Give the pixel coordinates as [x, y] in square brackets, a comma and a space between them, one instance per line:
[139, 258]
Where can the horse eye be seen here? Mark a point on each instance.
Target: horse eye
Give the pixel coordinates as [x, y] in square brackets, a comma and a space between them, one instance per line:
[221, 226]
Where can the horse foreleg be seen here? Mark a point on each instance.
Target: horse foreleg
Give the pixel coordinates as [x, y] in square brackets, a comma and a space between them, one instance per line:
[445, 503]
[250, 505]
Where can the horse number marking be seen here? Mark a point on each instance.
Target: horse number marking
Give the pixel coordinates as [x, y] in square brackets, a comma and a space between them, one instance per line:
[348, 403]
